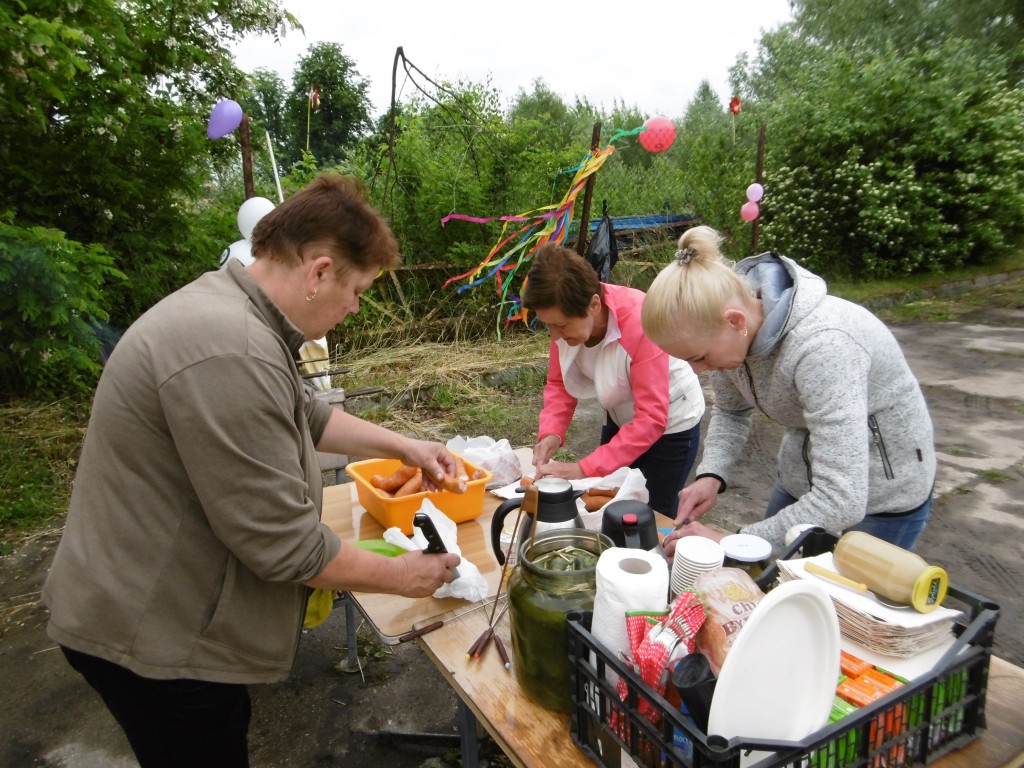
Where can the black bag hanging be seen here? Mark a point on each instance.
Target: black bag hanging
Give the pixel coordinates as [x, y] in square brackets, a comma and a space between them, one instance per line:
[603, 251]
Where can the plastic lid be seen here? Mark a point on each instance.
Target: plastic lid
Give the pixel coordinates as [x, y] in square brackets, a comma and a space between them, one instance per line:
[930, 589]
[746, 548]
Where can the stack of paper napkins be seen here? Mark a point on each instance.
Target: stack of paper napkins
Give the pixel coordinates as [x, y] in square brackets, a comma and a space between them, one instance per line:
[899, 632]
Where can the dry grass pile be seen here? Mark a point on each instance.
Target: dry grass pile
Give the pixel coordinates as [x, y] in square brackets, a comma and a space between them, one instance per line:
[438, 390]
[414, 366]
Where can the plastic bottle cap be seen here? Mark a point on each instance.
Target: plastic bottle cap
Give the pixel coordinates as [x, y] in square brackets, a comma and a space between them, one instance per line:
[929, 589]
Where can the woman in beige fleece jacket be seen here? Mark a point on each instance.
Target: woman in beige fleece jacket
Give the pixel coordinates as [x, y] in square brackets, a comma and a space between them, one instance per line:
[194, 535]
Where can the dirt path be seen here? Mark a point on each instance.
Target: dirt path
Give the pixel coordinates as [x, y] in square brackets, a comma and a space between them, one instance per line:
[972, 375]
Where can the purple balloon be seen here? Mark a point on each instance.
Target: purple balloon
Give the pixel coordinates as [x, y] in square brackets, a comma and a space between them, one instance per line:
[750, 211]
[755, 192]
[225, 116]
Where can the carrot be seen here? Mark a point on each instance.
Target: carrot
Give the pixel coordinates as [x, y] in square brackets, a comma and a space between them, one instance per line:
[479, 473]
[610, 492]
[460, 469]
[525, 481]
[395, 480]
[412, 485]
[453, 484]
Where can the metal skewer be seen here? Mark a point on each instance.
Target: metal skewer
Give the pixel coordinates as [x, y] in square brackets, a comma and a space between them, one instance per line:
[414, 633]
[488, 634]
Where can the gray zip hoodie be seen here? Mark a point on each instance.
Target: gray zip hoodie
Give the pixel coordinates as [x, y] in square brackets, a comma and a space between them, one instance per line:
[858, 437]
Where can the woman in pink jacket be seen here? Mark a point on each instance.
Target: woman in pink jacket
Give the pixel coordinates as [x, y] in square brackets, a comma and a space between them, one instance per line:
[653, 402]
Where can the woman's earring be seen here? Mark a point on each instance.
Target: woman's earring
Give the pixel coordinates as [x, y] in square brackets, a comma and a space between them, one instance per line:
[743, 332]
[310, 298]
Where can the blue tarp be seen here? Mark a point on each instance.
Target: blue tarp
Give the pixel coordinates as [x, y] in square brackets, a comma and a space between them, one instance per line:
[623, 223]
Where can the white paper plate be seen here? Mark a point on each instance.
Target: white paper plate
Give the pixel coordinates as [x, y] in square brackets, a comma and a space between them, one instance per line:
[779, 677]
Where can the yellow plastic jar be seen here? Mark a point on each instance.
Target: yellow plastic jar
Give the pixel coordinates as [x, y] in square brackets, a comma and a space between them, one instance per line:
[890, 571]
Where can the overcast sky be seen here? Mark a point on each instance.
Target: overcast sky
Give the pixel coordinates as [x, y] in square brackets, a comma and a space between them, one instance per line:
[649, 53]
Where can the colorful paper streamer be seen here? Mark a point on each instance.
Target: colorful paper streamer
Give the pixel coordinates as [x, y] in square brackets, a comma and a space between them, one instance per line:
[542, 225]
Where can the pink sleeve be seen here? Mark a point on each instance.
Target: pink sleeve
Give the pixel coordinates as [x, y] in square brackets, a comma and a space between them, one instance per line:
[648, 375]
[559, 405]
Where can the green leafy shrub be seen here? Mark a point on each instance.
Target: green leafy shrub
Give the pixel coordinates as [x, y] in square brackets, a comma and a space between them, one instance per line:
[51, 302]
[890, 163]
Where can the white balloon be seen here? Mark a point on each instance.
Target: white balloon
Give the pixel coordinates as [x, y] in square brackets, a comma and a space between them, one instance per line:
[241, 250]
[250, 212]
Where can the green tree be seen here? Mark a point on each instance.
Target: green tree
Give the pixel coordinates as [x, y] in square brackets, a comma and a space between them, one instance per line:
[343, 116]
[908, 25]
[544, 140]
[108, 144]
[51, 307]
[445, 156]
[718, 156]
[265, 105]
[896, 162]
[554, 124]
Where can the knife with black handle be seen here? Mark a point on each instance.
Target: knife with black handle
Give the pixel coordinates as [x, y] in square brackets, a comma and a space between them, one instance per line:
[435, 545]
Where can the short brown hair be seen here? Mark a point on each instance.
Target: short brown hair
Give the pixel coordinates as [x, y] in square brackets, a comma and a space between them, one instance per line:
[331, 210]
[562, 279]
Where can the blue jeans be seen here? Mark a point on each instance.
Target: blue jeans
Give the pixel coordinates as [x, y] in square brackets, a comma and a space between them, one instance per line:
[665, 465]
[901, 530]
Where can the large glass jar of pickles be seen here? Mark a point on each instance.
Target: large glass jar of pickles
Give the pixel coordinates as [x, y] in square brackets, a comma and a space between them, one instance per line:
[556, 573]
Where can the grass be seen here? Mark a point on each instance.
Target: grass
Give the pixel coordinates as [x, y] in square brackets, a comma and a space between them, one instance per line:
[39, 443]
[472, 384]
[436, 391]
[995, 476]
[921, 285]
[937, 308]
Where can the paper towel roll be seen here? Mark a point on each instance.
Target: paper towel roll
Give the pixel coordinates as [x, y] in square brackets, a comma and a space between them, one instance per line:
[627, 580]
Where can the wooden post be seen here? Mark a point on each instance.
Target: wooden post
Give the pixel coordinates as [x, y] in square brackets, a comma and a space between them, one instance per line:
[588, 193]
[759, 178]
[243, 138]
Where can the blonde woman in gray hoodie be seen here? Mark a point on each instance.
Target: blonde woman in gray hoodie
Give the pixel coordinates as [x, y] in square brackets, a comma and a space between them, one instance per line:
[857, 452]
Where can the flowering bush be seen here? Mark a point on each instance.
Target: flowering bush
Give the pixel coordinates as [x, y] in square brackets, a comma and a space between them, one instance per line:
[880, 165]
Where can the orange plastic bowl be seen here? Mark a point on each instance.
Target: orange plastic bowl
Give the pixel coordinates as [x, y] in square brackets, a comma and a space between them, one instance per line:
[391, 512]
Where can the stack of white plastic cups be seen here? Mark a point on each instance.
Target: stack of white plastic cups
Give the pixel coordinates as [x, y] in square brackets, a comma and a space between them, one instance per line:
[693, 556]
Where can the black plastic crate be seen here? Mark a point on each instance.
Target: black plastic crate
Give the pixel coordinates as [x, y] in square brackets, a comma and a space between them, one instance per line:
[914, 725]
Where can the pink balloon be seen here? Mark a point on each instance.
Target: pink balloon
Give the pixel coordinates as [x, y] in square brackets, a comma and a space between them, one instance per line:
[660, 134]
[755, 192]
[750, 211]
[225, 116]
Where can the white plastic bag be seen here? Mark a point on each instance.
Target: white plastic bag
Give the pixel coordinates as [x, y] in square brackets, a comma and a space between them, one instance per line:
[496, 456]
[470, 585]
[631, 484]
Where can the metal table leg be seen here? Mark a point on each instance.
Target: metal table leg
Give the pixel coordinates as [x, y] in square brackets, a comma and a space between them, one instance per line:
[469, 737]
[351, 663]
[469, 733]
